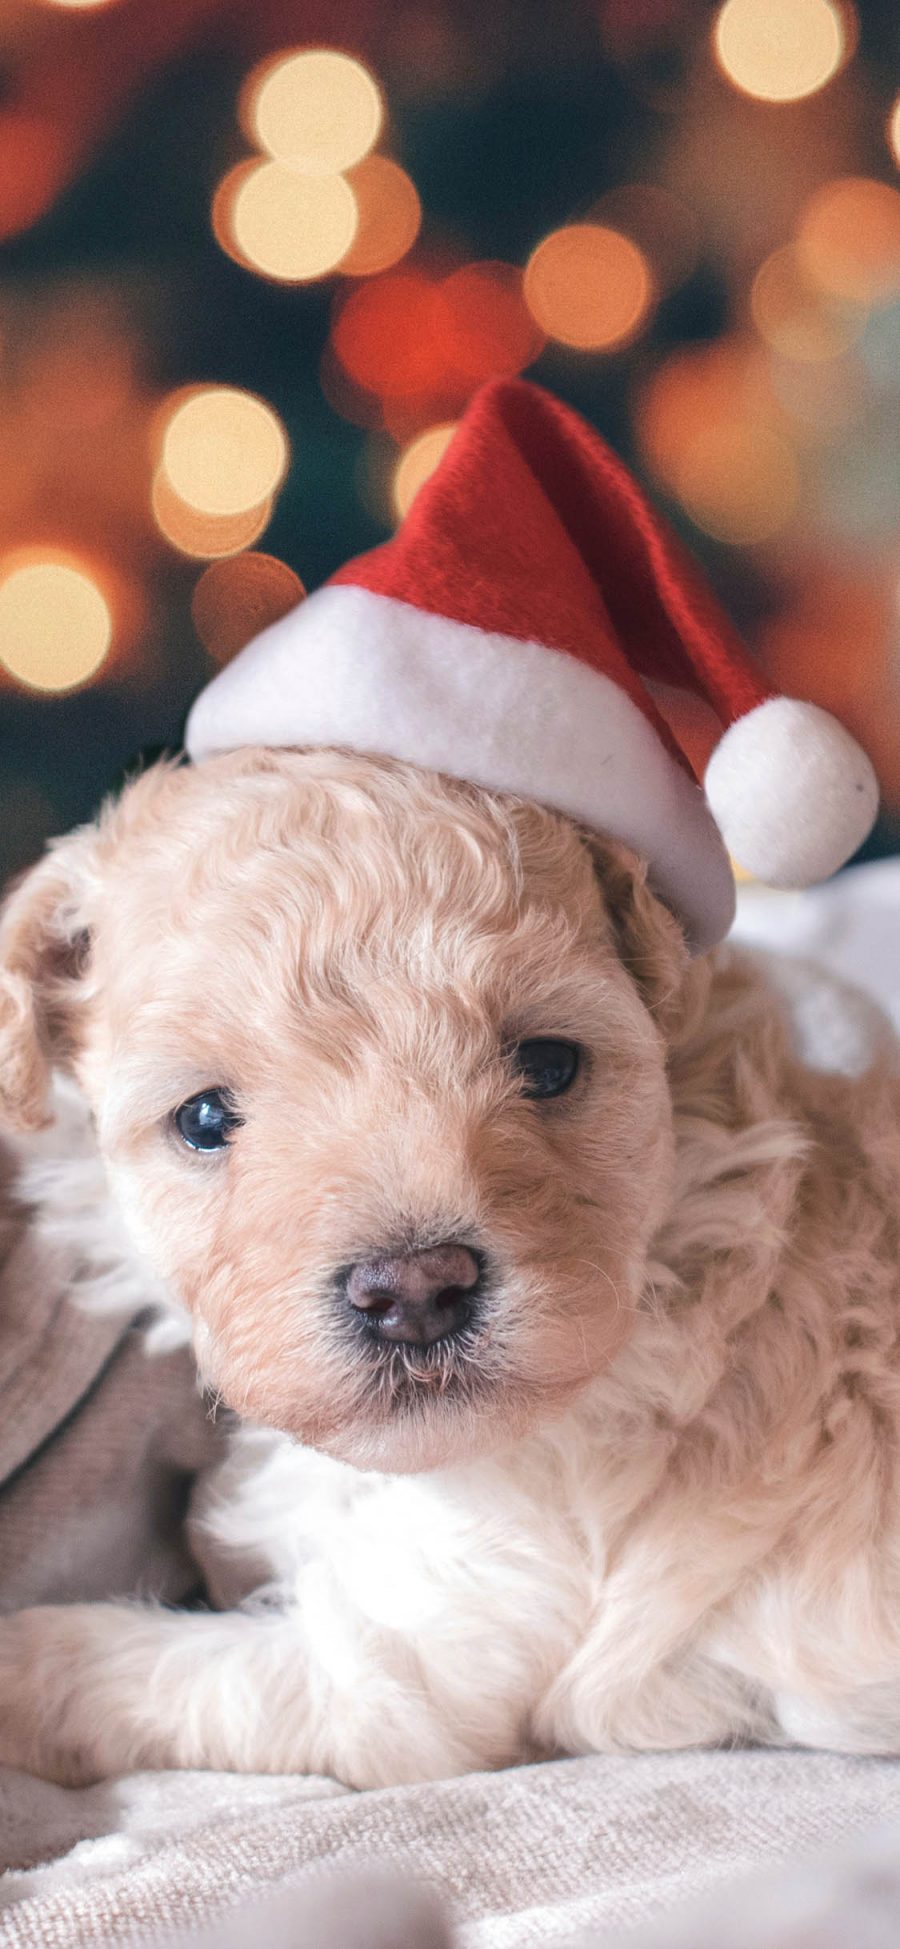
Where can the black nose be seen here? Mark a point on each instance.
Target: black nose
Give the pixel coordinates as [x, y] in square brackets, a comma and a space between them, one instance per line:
[416, 1298]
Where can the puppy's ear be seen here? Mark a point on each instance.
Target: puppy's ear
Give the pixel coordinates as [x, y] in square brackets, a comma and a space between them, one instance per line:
[650, 942]
[44, 948]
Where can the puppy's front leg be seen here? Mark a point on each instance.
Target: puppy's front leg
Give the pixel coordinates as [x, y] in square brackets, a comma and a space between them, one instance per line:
[89, 1690]
[92, 1690]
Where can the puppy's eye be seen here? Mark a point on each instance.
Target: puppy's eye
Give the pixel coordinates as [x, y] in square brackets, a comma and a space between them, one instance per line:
[547, 1067]
[206, 1122]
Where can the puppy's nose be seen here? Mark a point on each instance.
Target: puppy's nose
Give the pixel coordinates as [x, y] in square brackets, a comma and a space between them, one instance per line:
[417, 1297]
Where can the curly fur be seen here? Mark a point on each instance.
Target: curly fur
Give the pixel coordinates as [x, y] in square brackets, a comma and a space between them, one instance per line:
[652, 1498]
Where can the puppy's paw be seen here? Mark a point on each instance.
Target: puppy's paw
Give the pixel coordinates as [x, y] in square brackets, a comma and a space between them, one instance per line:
[42, 1717]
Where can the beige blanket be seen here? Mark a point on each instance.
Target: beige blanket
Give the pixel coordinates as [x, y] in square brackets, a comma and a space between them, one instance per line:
[523, 1858]
[99, 1437]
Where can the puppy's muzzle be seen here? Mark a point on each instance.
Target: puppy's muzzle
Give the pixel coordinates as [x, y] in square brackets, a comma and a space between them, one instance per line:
[416, 1298]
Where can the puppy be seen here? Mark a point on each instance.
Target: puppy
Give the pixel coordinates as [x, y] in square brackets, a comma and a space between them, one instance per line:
[559, 1300]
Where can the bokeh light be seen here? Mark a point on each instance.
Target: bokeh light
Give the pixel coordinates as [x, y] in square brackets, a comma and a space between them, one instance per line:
[389, 334]
[55, 623]
[222, 210]
[224, 451]
[848, 240]
[204, 536]
[235, 599]
[893, 130]
[705, 385]
[737, 482]
[77, 378]
[421, 344]
[416, 463]
[820, 397]
[793, 316]
[779, 50]
[20, 467]
[588, 286]
[290, 226]
[389, 217]
[32, 169]
[315, 108]
[489, 328]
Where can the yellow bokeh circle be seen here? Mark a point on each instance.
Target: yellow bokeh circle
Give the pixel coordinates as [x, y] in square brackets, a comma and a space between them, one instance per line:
[779, 50]
[55, 624]
[291, 226]
[224, 451]
[417, 461]
[204, 537]
[893, 130]
[316, 108]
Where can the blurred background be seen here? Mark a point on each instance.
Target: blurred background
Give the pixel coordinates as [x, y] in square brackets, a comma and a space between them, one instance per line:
[256, 254]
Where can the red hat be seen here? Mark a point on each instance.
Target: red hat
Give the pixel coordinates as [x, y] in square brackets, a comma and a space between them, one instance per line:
[506, 635]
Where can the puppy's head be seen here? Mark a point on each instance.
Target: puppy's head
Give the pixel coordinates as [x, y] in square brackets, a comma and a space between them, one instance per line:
[378, 1068]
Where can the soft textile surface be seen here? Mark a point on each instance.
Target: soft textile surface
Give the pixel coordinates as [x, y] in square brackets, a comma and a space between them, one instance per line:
[840, 1898]
[339, 1910]
[99, 1437]
[97, 1508]
[531, 1856]
[847, 1898]
[525, 1857]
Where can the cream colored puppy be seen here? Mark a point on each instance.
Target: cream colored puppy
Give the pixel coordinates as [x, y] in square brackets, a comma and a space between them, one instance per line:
[566, 1299]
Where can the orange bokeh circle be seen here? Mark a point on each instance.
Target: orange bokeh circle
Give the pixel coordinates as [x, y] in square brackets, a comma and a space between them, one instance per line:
[589, 286]
[848, 241]
[201, 535]
[238, 597]
[389, 216]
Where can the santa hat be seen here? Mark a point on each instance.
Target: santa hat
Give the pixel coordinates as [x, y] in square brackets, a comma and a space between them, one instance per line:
[507, 634]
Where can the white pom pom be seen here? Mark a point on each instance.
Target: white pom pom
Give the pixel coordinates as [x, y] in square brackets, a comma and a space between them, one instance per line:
[792, 793]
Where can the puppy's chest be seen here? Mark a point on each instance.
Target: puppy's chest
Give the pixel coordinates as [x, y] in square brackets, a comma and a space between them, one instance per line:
[521, 1550]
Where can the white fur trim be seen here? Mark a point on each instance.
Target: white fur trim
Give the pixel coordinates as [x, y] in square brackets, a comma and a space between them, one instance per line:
[376, 675]
[792, 792]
